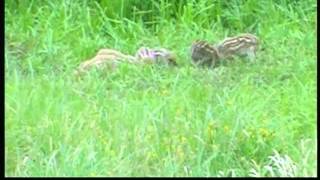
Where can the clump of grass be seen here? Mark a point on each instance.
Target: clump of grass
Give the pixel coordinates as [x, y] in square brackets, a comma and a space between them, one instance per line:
[284, 166]
[157, 121]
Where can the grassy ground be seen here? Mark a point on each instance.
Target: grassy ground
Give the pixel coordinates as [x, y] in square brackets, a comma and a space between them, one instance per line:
[240, 119]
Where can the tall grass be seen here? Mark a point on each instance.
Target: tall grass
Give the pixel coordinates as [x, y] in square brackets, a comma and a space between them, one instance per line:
[240, 119]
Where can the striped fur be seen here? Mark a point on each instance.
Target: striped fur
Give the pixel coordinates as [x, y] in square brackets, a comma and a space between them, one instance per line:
[202, 53]
[104, 58]
[111, 58]
[151, 56]
[242, 45]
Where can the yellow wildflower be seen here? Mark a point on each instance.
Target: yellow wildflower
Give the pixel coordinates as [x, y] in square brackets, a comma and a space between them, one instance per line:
[183, 139]
[264, 132]
[180, 152]
[164, 92]
[210, 129]
[226, 129]
[229, 102]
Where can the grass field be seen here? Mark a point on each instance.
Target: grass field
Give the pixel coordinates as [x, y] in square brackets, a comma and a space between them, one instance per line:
[239, 119]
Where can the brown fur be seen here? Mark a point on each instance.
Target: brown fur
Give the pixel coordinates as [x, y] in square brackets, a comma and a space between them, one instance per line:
[244, 44]
[202, 53]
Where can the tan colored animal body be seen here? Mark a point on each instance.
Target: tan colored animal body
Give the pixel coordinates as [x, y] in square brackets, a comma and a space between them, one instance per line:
[109, 58]
[105, 58]
[241, 45]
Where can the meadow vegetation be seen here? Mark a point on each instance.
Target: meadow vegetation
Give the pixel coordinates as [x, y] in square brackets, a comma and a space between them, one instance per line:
[239, 119]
